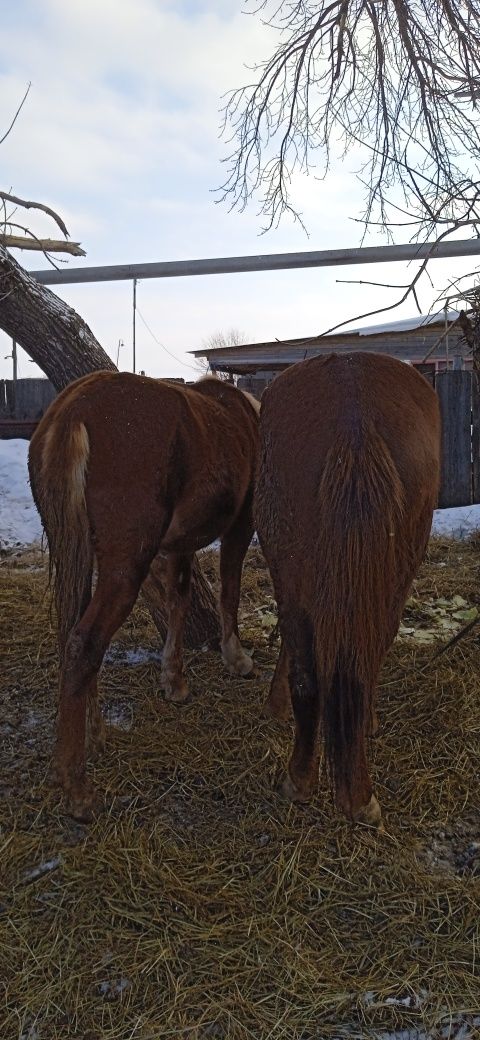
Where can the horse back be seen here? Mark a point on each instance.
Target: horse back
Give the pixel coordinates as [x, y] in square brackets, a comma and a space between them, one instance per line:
[151, 442]
[324, 401]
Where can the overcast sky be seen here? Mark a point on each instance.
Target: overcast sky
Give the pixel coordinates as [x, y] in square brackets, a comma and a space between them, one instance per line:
[120, 134]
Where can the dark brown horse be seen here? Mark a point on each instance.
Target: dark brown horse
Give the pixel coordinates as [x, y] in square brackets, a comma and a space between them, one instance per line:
[349, 473]
[123, 468]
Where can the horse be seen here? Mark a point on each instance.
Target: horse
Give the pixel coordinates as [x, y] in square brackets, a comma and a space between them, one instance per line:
[348, 481]
[126, 470]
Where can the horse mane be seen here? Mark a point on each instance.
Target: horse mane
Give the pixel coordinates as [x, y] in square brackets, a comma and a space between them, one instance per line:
[221, 388]
[253, 401]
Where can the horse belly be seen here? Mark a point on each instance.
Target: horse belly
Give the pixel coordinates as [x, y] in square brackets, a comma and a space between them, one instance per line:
[199, 520]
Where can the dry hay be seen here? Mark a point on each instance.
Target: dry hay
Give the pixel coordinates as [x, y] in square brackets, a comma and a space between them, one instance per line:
[198, 904]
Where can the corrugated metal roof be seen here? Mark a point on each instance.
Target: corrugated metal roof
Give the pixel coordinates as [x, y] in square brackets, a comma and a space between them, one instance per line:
[404, 326]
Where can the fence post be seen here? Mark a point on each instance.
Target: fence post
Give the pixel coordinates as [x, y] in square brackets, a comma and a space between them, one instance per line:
[476, 436]
[454, 389]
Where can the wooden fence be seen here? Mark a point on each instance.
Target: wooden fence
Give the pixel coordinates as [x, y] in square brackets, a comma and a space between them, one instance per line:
[459, 396]
[22, 404]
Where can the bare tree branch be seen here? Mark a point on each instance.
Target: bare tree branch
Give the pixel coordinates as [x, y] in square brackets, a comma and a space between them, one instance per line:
[399, 79]
[35, 205]
[232, 337]
[45, 245]
[409, 289]
[17, 113]
[28, 239]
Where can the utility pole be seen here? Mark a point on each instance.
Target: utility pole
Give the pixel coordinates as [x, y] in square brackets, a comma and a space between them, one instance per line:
[13, 356]
[15, 364]
[134, 317]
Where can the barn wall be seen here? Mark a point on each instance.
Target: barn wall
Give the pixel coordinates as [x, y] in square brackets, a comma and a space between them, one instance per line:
[406, 345]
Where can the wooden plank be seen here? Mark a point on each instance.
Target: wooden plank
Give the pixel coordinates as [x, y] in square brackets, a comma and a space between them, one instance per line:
[454, 389]
[13, 428]
[476, 435]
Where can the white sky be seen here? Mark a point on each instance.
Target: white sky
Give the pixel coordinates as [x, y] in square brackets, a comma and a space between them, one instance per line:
[120, 135]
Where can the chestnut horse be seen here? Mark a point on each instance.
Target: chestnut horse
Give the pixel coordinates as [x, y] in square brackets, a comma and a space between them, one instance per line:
[348, 480]
[123, 468]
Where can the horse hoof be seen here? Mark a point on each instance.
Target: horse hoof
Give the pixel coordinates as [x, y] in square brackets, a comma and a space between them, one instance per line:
[180, 696]
[82, 806]
[290, 792]
[235, 658]
[243, 667]
[80, 812]
[97, 745]
[371, 814]
[276, 710]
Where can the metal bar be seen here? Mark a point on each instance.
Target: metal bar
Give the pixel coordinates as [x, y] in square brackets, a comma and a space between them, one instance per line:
[268, 262]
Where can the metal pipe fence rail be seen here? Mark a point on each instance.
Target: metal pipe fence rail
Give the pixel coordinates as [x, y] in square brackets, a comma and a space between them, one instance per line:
[265, 262]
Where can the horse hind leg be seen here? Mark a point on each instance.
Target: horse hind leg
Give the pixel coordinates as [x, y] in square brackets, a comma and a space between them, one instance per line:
[348, 717]
[374, 727]
[234, 545]
[96, 733]
[279, 701]
[96, 729]
[115, 594]
[302, 776]
[178, 585]
[95, 723]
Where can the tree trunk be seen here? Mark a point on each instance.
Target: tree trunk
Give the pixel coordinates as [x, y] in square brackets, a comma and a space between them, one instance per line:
[64, 347]
[202, 634]
[50, 331]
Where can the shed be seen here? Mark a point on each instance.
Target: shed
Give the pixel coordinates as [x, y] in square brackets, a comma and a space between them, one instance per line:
[410, 340]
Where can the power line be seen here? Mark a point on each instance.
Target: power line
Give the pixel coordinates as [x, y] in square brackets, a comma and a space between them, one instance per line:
[162, 345]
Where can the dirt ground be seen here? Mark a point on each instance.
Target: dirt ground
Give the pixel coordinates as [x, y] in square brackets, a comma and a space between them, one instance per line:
[198, 904]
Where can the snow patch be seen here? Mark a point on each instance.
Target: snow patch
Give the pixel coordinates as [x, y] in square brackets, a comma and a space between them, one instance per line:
[118, 655]
[118, 714]
[43, 868]
[456, 522]
[19, 519]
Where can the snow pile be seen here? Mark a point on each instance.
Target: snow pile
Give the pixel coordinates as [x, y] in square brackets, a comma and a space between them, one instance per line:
[20, 523]
[19, 520]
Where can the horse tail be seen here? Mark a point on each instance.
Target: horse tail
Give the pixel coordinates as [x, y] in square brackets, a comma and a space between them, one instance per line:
[361, 504]
[58, 461]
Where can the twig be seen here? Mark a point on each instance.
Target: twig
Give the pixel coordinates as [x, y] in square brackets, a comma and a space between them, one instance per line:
[456, 638]
[35, 205]
[17, 113]
[415, 669]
